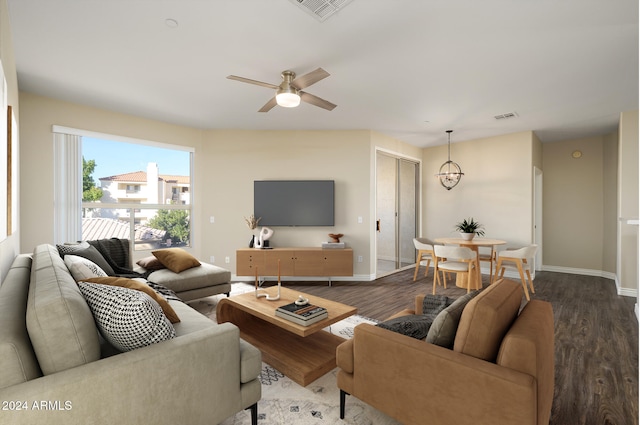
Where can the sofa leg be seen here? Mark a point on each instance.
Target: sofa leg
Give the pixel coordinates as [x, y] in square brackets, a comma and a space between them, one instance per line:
[254, 413]
[227, 294]
[342, 402]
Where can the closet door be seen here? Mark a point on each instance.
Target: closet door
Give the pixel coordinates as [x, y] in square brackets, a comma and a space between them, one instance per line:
[397, 188]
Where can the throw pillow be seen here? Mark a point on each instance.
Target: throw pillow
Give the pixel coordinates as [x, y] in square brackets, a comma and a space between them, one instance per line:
[444, 327]
[150, 263]
[413, 325]
[87, 251]
[82, 268]
[126, 318]
[138, 286]
[176, 259]
[432, 305]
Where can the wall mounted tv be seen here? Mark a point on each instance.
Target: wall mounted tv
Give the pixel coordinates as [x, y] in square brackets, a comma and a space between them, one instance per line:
[294, 202]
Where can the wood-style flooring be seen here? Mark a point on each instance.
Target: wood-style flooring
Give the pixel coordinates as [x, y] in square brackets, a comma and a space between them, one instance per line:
[596, 336]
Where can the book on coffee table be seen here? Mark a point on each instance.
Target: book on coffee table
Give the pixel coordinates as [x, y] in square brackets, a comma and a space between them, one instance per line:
[299, 321]
[302, 314]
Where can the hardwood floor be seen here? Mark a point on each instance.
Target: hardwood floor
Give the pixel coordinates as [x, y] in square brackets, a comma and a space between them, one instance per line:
[596, 337]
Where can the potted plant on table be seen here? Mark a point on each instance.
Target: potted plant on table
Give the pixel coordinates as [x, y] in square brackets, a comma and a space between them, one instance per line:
[468, 228]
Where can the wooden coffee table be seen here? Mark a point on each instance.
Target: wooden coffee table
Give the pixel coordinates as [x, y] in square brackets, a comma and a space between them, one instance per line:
[303, 353]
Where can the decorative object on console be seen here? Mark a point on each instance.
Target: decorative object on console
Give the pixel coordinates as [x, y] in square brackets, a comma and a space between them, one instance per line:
[450, 173]
[335, 237]
[468, 228]
[265, 234]
[252, 224]
[267, 296]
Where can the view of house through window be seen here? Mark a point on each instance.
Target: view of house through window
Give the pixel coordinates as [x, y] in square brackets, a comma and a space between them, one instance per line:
[136, 191]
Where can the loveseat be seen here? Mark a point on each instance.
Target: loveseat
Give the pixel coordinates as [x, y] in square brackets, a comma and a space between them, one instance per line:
[500, 369]
[55, 368]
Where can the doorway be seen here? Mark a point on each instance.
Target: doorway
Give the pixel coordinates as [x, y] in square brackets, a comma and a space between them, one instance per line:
[397, 203]
[537, 216]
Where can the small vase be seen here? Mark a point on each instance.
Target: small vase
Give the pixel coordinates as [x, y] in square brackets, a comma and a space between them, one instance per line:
[467, 236]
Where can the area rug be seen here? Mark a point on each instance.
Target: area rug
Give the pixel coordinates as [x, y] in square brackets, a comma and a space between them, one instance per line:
[285, 402]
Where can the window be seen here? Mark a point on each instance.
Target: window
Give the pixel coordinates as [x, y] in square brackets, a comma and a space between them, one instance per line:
[128, 189]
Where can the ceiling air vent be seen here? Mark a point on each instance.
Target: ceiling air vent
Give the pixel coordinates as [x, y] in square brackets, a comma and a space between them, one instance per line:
[321, 9]
[505, 116]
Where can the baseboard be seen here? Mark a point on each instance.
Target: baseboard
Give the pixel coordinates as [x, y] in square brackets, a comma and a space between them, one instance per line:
[625, 292]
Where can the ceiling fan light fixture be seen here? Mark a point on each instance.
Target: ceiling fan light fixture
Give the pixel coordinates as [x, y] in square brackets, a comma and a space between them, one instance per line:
[288, 99]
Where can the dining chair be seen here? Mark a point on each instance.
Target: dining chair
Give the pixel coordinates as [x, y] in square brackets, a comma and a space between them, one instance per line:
[516, 259]
[488, 254]
[425, 255]
[455, 259]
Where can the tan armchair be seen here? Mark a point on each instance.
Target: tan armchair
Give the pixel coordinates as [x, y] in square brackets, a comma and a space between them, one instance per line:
[500, 370]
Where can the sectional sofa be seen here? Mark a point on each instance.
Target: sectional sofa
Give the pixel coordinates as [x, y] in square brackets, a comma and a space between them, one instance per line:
[55, 368]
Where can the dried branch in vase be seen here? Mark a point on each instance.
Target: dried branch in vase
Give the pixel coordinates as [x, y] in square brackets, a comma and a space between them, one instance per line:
[252, 221]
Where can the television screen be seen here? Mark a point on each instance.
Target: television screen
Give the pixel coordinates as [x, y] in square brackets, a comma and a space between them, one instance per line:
[294, 202]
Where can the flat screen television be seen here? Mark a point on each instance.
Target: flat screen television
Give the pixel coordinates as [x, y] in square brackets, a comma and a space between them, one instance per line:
[294, 202]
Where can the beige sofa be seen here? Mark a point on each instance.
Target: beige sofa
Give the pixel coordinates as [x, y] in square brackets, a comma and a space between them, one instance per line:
[54, 368]
[500, 370]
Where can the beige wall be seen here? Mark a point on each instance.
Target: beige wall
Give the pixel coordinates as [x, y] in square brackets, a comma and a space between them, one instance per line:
[573, 204]
[235, 158]
[9, 247]
[627, 269]
[496, 188]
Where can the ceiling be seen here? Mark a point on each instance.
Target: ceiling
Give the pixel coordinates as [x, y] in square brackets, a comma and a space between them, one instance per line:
[406, 68]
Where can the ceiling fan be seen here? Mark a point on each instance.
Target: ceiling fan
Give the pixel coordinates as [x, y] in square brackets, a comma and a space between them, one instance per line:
[289, 93]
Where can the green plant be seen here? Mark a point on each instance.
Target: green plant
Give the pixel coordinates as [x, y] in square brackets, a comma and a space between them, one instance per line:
[470, 226]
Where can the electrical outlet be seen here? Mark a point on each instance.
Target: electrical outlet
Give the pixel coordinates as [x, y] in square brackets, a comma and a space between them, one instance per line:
[359, 220]
[360, 259]
[212, 259]
[212, 219]
[227, 260]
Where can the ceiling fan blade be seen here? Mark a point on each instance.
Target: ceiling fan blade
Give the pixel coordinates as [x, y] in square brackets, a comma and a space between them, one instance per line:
[312, 77]
[316, 101]
[250, 81]
[269, 105]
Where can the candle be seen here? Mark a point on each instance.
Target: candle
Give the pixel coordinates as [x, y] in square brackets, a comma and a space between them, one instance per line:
[256, 278]
[278, 270]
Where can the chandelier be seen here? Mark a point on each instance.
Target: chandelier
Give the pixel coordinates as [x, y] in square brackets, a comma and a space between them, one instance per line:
[450, 172]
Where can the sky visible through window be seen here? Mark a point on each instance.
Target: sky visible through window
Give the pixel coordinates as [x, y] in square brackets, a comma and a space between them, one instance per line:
[119, 158]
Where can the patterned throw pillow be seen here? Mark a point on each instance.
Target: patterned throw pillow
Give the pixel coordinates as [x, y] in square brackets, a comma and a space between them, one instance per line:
[413, 325]
[87, 251]
[128, 319]
[81, 268]
[139, 286]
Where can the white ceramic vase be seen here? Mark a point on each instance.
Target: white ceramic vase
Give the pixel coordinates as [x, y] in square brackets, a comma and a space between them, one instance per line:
[467, 236]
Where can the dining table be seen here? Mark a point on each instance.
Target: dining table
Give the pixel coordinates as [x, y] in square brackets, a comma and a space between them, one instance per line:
[473, 244]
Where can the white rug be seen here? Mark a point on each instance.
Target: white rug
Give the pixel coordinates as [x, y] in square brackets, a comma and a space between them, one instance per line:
[285, 402]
